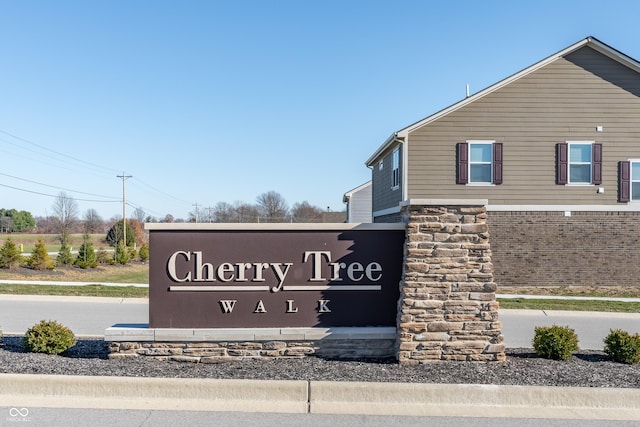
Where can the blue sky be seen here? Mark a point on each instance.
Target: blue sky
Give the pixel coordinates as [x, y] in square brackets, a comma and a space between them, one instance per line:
[219, 101]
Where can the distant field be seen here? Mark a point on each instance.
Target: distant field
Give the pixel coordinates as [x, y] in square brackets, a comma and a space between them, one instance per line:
[134, 272]
[51, 242]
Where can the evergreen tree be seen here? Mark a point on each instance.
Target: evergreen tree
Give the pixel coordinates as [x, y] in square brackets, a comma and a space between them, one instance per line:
[86, 254]
[39, 259]
[122, 254]
[10, 255]
[64, 255]
[143, 253]
[115, 234]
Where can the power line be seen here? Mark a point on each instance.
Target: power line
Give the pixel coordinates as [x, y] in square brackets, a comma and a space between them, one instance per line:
[56, 152]
[58, 188]
[159, 191]
[92, 166]
[55, 195]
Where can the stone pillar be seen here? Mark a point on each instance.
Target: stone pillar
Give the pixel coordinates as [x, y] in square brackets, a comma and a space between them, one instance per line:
[447, 308]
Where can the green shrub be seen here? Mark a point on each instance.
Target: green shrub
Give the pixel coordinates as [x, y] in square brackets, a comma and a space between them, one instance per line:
[143, 253]
[39, 259]
[64, 255]
[48, 337]
[10, 255]
[122, 254]
[555, 342]
[622, 347]
[104, 257]
[86, 254]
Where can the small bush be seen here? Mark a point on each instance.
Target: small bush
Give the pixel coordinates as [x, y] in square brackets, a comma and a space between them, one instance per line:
[10, 256]
[104, 257]
[122, 254]
[555, 342]
[48, 337]
[143, 253]
[86, 254]
[39, 259]
[64, 255]
[622, 347]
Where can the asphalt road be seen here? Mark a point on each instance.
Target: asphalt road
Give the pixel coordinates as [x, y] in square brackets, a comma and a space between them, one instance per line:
[91, 316]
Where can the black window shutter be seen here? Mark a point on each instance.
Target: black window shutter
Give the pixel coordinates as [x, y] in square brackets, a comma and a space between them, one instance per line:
[463, 163]
[596, 165]
[497, 163]
[562, 163]
[624, 182]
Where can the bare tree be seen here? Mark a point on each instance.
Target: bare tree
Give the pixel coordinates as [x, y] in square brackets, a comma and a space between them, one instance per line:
[223, 212]
[139, 214]
[273, 207]
[93, 222]
[65, 210]
[305, 212]
[245, 212]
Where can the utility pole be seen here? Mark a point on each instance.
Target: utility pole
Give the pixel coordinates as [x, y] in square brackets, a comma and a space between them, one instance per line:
[196, 205]
[124, 208]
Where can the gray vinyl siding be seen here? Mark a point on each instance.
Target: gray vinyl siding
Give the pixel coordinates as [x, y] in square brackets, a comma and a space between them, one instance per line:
[384, 196]
[360, 205]
[563, 101]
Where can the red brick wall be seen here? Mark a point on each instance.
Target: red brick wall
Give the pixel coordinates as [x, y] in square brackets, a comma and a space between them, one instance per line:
[550, 249]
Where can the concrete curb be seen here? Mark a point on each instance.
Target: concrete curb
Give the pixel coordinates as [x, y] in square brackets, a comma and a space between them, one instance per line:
[70, 391]
[475, 400]
[320, 397]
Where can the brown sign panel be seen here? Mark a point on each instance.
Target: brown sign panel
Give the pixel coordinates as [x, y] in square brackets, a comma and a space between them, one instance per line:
[255, 277]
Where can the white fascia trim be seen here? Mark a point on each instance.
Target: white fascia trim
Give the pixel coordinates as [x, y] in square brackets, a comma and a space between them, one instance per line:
[590, 41]
[494, 87]
[631, 207]
[614, 54]
[444, 202]
[350, 193]
[405, 168]
[388, 211]
[393, 139]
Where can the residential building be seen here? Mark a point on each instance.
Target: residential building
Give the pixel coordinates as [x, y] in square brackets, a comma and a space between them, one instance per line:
[554, 149]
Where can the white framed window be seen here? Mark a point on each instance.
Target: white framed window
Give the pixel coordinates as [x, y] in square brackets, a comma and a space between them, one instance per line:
[580, 162]
[635, 180]
[395, 170]
[481, 162]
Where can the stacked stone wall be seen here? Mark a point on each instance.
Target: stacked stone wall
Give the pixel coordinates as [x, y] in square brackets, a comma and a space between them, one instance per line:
[549, 249]
[447, 308]
[230, 351]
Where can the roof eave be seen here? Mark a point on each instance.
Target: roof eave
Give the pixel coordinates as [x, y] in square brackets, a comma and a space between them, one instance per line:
[596, 44]
[385, 145]
[498, 85]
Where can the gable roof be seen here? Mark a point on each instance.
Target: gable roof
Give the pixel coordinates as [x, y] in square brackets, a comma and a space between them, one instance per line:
[351, 192]
[591, 42]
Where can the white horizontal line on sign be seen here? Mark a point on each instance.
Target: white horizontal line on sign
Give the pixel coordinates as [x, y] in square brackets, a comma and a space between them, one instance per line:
[218, 288]
[333, 288]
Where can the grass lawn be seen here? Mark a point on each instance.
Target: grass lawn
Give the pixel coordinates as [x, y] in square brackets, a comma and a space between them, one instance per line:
[28, 241]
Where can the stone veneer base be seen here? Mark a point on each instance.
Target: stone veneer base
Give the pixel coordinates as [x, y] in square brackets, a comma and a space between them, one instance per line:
[223, 345]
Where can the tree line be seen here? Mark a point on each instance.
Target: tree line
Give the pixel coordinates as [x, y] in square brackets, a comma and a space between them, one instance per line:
[269, 207]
